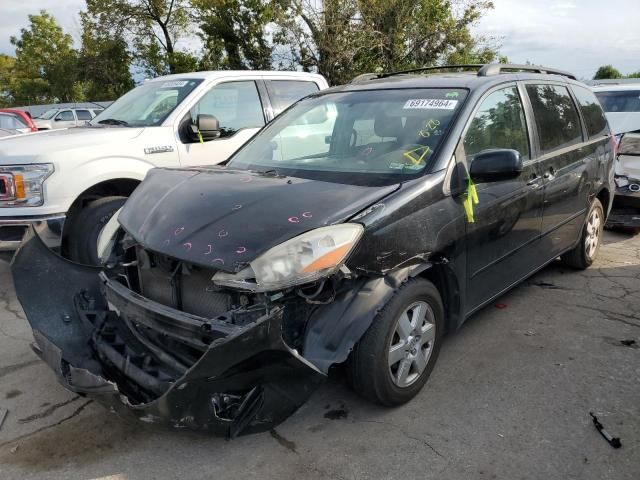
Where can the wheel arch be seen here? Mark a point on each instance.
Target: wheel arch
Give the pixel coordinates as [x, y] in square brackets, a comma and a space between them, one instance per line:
[333, 329]
[120, 187]
[605, 198]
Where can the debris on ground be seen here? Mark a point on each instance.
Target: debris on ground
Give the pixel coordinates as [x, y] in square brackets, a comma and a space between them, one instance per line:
[3, 415]
[14, 449]
[547, 285]
[628, 343]
[530, 333]
[501, 305]
[613, 441]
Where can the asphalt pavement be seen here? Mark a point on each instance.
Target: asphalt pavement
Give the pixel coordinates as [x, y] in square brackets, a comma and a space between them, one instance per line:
[509, 399]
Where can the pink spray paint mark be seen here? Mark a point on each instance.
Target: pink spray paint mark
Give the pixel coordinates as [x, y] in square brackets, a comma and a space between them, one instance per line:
[167, 243]
[210, 251]
[245, 179]
[307, 215]
[241, 250]
[178, 231]
[236, 207]
[188, 246]
[223, 233]
[294, 219]
[218, 260]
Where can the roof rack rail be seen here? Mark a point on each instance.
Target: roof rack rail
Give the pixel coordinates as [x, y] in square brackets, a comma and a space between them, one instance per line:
[464, 66]
[497, 68]
[484, 70]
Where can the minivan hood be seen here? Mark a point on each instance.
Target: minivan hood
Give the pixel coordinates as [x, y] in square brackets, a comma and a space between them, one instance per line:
[52, 144]
[222, 218]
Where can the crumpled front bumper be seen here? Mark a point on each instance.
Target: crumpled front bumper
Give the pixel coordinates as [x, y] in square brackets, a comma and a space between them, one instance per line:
[626, 205]
[84, 324]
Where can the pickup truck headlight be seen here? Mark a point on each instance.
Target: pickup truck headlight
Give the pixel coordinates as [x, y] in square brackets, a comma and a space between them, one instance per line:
[21, 185]
[303, 259]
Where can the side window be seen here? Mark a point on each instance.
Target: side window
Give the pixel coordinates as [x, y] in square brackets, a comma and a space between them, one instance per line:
[591, 111]
[499, 123]
[65, 116]
[83, 115]
[11, 122]
[287, 92]
[236, 105]
[557, 119]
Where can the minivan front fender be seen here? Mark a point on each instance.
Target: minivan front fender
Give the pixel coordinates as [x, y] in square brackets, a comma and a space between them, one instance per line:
[335, 328]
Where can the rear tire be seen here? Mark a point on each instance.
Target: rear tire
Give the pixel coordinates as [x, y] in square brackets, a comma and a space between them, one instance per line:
[583, 255]
[82, 239]
[415, 309]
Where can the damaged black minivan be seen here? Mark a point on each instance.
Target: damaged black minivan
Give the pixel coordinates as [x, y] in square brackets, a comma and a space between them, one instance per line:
[357, 228]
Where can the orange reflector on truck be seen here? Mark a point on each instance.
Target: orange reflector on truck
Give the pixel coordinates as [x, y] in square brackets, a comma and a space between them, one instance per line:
[18, 181]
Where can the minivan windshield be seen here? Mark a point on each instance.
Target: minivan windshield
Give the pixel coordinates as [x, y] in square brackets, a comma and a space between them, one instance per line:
[360, 137]
[147, 105]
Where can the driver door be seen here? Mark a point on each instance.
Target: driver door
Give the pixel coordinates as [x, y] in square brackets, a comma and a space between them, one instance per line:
[238, 108]
[502, 239]
[64, 119]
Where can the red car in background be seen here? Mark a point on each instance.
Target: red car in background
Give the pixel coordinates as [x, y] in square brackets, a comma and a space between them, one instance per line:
[19, 120]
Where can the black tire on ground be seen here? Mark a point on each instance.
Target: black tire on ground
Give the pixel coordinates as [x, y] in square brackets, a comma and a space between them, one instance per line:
[370, 373]
[579, 258]
[82, 237]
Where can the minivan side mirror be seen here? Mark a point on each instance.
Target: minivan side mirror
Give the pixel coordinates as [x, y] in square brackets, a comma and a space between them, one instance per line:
[207, 125]
[495, 165]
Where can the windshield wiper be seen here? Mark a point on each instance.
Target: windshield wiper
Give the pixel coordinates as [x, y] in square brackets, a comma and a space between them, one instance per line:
[113, 121]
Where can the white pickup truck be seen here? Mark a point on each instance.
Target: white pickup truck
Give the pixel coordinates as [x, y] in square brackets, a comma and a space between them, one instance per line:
[68, 183]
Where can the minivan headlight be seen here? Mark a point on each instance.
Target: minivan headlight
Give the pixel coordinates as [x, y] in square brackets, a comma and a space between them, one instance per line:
[303, 259]
[22, 185]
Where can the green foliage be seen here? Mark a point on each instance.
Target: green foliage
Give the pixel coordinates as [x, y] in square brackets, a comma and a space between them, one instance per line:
[344, 38]
[45, 66]
[607, 71]
[7, 67]
[152, 26]
[234, 32]
[104, 61]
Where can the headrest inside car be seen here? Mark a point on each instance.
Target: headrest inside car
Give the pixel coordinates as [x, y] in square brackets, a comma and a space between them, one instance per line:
[385, 126]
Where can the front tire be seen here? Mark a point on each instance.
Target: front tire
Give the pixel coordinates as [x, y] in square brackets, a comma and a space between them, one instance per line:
[583, 255]
[396, 355]
[82, 239]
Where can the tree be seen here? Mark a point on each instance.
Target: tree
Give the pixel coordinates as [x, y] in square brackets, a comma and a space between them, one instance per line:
[7, 72]
[46, 64]
[344, 38]
[234, 32]
[152, 26]
[105, 61]
[607, 71]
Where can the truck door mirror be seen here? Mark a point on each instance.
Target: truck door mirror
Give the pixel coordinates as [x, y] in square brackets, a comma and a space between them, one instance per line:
[206, 126]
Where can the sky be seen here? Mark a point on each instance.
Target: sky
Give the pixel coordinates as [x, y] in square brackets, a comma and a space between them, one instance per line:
[573, 35]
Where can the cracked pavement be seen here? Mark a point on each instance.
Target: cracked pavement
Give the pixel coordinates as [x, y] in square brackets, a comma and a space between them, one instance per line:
[509, 398]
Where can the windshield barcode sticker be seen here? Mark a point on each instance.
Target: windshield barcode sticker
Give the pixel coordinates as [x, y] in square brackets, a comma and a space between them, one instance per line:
[175, 84]
[430, 104]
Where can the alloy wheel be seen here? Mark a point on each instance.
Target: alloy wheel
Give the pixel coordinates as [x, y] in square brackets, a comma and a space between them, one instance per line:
[411, 344]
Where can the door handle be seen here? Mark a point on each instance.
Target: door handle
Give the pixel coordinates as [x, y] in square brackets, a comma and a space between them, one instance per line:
[550, 173]
[534, 181]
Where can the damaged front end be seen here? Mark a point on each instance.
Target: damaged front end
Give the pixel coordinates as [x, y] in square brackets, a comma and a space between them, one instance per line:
[625, 213]
[158, 340]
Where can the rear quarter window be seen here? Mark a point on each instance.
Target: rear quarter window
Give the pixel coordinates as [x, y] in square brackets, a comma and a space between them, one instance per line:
[287, 92]
[594, 117]
[620, 101]
[83, 114]
[557, 120]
